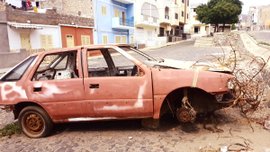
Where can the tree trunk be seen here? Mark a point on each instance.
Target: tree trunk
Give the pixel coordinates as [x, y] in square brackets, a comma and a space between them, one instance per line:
[223, 28]
[216, 28]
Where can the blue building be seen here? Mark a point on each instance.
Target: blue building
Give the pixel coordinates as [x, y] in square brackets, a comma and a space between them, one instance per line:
[114, 21]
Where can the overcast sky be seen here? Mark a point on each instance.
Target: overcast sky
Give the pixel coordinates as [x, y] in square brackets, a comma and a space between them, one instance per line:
[247, 3]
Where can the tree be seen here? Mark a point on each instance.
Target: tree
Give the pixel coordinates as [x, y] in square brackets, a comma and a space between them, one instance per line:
[219, 12]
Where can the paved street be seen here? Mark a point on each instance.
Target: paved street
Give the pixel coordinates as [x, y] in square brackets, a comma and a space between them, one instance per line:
[261, 36]
[186, 51]
[130, 136]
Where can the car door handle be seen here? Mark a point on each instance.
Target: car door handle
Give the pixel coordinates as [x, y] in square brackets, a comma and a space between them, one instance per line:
[92, 86]
[37, 89]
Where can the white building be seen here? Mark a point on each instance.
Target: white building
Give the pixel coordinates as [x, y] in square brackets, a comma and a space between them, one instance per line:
[159, 21]
[33, 36]
[194, 26]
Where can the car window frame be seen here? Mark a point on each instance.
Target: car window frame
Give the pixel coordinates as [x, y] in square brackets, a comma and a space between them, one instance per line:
[42, 58]
[4, 77]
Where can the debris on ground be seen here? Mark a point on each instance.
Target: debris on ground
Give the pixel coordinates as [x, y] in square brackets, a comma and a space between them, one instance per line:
[267, 124]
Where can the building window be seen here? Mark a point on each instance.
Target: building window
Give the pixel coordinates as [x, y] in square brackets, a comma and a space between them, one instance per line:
[176, 16]
[187, 2]
[117, 13]
[182, 13]
[167, 12]
[104, 39]
[131, 39]
[70, 40]
[85, 40]
[104, 10]
[149, 10]
[46, 41]
[124, 39]
[117, 39]
[187, 16]
[183, 1]
[25, 40]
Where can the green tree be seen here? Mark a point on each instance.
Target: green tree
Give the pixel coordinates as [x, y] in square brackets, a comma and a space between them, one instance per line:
[219, 12]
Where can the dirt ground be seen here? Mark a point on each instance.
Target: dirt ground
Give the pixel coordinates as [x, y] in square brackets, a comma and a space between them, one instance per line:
[234, 133]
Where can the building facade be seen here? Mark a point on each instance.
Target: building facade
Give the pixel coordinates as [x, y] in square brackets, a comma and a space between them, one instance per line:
[194, 26]
[174, 14]
[146, 23]
[114, 21]
[160, 21]
[40, 30]
[264, 17]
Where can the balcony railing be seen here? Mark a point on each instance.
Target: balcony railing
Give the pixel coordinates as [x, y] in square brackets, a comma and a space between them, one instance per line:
[126, 22]
[120, 23]
[125, 1]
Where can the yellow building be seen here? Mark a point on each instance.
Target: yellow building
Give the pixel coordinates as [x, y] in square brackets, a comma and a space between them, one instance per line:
[264, 17]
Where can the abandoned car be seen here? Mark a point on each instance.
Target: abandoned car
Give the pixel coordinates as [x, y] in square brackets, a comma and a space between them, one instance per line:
[103, 82]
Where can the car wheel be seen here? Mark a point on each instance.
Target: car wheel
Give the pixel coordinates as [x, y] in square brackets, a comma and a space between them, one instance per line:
[35, 122]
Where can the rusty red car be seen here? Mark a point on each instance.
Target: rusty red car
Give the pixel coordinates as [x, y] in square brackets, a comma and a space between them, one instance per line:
[104, 82]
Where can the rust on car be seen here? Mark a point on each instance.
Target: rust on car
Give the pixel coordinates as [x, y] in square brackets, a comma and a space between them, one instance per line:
[101, 82]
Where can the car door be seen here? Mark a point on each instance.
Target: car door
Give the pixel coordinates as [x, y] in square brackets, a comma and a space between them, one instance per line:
[57, 84]
[112, 90]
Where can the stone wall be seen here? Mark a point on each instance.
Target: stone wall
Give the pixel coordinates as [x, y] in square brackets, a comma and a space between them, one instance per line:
[81, 8]
[4, 38]
[9, 59]
[51, 17]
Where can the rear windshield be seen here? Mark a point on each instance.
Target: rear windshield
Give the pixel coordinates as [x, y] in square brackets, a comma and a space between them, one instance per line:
[17, 73]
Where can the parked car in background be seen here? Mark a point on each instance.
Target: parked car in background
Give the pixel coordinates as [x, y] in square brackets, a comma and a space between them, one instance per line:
[103, 82]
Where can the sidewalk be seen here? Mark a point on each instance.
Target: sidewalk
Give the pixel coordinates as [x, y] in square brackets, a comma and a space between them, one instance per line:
[252, 46]
[167, 44]
[2, 71]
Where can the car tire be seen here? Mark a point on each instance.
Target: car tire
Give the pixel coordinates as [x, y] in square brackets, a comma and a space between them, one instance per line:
[35, 122]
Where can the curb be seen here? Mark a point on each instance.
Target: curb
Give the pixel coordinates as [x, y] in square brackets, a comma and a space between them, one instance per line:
[257, 42]
[254, 48]
[164, 45]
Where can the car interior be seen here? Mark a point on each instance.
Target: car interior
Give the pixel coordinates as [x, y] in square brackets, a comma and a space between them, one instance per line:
[108, 62]
[57, 66]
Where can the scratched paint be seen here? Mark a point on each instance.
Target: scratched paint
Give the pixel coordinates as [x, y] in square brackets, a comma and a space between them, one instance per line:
[49, 90]
[137, 104]
[11, 91]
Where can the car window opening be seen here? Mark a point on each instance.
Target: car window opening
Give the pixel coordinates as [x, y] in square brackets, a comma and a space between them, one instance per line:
[59, 66]
[109, 62]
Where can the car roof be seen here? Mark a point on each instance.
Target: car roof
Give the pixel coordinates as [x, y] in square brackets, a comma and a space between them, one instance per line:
[82, 47]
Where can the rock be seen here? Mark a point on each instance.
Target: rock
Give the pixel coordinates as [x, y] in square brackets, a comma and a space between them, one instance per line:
[267, 124]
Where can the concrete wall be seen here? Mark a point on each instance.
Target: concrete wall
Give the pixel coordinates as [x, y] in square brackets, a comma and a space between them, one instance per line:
[147, 36]
[11, 59]
[4, 38]
[50, 18]
[81, 8]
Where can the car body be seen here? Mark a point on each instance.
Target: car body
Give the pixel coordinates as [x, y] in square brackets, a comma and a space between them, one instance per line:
[107, 82]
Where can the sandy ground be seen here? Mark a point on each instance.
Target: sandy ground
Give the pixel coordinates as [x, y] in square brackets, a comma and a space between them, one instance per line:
[130, 136]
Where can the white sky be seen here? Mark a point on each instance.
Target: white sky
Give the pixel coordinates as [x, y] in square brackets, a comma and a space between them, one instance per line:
[247, 3]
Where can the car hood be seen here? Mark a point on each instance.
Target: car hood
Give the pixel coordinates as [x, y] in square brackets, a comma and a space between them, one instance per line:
[187, 65]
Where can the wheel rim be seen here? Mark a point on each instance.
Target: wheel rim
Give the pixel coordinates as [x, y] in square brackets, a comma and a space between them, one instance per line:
[33, 123]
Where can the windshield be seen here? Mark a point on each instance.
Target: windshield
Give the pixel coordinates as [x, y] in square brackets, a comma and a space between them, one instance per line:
[139, 55]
